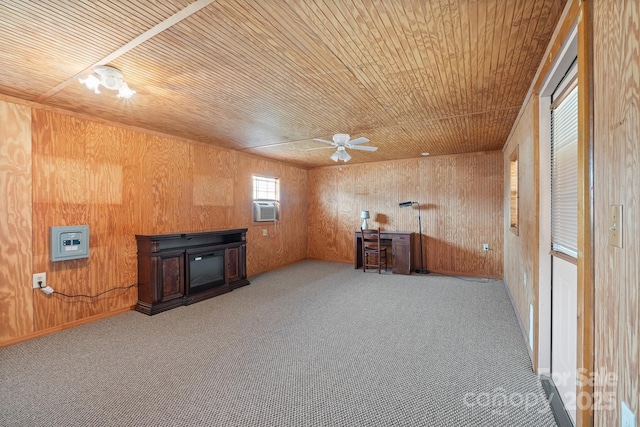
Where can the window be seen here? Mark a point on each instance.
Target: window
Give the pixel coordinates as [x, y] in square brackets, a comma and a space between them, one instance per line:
[265, 199]
[564, 167]
[513, 191]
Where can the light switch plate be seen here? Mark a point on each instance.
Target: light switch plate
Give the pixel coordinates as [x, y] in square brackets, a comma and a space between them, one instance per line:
[627, 418]
[615, 226]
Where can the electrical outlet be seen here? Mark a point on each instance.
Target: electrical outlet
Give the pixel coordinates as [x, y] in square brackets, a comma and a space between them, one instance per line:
[628, 419]
[485, 246]
[39, 280]
[265, 232]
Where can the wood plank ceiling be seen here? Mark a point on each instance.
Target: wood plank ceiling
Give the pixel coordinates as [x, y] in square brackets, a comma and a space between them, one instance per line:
[266, 77]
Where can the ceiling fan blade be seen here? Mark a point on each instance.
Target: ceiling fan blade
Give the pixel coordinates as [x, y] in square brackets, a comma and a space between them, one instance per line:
[357, 141]
[318, 148]
[363, 148]
[325, 141]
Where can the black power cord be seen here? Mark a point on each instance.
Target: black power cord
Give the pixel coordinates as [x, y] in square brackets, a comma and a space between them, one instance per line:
[97, 295]
[484, 278]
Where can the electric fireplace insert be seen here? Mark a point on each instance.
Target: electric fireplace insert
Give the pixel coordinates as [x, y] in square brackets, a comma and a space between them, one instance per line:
[206, 271]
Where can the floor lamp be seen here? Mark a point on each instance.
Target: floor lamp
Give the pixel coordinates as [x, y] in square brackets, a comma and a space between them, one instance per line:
[420, 270]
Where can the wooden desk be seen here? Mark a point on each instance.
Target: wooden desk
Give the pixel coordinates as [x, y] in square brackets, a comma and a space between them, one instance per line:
[401, 243]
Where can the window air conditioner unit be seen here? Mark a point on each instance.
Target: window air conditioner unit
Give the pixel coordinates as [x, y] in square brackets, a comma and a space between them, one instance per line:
[265, 211]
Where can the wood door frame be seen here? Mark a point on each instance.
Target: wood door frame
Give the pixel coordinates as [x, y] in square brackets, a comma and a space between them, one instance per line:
[577, 13]
[586, 271]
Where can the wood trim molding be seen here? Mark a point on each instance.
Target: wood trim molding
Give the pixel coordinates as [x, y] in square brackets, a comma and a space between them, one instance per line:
[586, 271]
[70, 325]
[513, 157]
[536, 252]
[563, 256]
[568, 23]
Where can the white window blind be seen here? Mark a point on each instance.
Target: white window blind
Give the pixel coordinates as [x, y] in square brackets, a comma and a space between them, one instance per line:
[564, 171]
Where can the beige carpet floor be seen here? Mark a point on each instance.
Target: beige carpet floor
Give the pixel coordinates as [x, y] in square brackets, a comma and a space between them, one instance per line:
[312, 344]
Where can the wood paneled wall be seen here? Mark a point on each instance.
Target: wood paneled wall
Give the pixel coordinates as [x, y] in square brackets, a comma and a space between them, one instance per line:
[521, 249]
[16, 310]
[460, 198]
[120, 182]
[616, 103]
[616, 127]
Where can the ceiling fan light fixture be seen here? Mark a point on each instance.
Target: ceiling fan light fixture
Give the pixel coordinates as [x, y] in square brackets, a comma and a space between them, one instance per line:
[342, 141]
[340, 154]
[110, 78]
[343, 155]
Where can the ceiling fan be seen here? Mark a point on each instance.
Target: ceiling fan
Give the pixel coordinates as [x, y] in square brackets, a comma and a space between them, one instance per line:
[341, 141]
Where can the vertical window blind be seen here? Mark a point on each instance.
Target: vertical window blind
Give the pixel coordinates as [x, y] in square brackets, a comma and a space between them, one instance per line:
[564, 170]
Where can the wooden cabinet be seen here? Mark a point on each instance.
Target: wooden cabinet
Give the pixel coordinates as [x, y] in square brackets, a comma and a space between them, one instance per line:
[401, 254]
[180, 269]
[160, 281]
[236, 265]
[171, 278]
[232, 264]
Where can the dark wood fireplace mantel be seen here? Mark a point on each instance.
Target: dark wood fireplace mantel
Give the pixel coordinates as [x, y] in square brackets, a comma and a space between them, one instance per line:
[163, 267]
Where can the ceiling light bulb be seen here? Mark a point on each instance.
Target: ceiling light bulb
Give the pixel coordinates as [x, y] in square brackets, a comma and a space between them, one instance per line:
[91, 82]
[335, 156]
[125, 91]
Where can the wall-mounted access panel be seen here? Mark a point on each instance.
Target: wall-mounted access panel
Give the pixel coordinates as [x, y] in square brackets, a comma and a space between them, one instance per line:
[69, 242]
